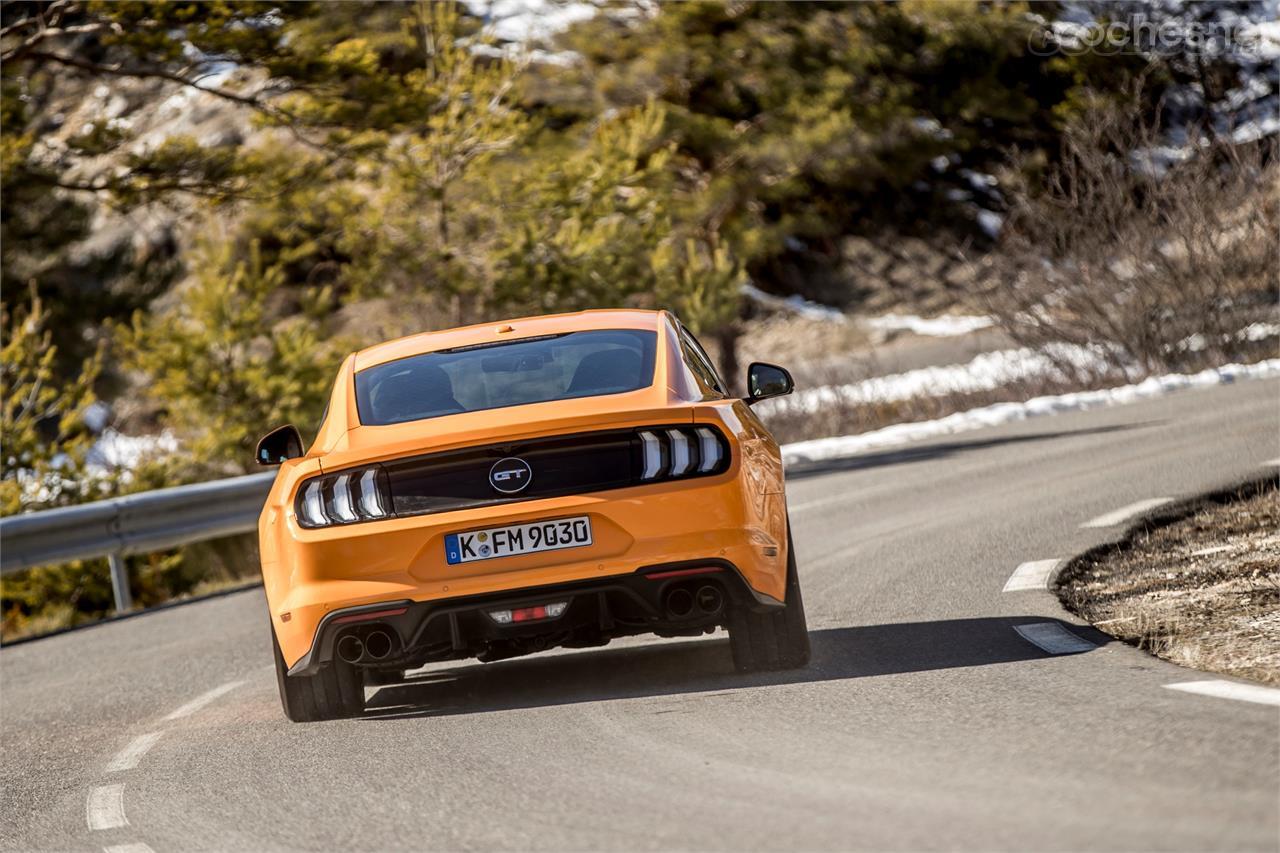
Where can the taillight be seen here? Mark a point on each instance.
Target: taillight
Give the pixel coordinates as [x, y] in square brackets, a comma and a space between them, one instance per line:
[667, 453]
[344, 498]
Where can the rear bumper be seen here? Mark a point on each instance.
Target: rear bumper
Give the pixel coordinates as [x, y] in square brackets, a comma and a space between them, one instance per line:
[724, 520]
[598, 610]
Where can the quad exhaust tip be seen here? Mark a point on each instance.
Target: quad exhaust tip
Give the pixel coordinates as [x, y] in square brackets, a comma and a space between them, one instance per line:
[684, 602]
[350, 648]
[374, 646]
[680, 603]
[710, 599]
[377, 645]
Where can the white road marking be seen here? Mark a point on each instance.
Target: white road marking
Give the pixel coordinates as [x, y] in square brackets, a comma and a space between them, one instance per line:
[105, 808]
[128, 758]
[203, 699]
[1053, 638]
[1125, 513]
[1033, 575]
[1275, 462]
[1231, 690]
[135, 847]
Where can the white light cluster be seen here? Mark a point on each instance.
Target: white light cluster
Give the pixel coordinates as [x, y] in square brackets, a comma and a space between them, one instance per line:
[343, 499]
[671, 452]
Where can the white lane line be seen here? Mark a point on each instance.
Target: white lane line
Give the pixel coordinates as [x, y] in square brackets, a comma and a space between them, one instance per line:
[1053, 638]
[1033, 575]
[128, 758]
[1125, 513]
[1273, 462]
[135, 847]
[203, 699]
[1231, 690]
[105, 808]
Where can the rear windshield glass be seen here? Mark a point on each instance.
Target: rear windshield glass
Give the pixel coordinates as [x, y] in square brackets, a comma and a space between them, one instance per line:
[492, 376]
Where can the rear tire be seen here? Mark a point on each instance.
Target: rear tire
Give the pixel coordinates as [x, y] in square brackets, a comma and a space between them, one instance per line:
[778, 639]
[336, 691]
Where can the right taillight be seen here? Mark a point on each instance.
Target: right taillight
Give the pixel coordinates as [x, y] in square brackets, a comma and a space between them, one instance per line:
[344, 498]
[669, 453]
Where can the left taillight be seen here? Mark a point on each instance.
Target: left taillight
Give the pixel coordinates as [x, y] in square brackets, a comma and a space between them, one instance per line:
[344, 498]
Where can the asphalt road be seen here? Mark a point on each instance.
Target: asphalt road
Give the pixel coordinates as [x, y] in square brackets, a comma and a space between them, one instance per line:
[925, 721]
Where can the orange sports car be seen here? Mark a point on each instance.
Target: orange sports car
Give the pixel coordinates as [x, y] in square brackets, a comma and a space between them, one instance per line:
[506, 488]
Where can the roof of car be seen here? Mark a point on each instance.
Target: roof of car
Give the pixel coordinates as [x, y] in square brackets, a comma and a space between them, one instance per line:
[523, 327]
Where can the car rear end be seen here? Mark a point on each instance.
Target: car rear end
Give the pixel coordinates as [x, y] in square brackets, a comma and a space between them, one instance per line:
[501, 531]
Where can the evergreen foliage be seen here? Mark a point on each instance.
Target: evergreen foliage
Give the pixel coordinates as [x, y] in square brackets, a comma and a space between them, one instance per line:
[225, 361]
[393, 168]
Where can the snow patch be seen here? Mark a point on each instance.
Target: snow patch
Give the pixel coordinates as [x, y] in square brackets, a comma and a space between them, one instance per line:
[1252, 333]
[525, 21]
[115, 451]
[794, 304]
[945, 326]
[985, 372]
[820, 449]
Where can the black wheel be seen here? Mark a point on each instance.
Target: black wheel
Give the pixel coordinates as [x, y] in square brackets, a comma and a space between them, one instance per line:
[336, 691]
[778, 639]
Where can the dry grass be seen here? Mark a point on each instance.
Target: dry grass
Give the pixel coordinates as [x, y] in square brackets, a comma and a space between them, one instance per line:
[1202, 591]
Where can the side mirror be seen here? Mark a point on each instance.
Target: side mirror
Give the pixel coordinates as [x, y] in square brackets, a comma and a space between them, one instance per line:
[767, 380]
[279, 445]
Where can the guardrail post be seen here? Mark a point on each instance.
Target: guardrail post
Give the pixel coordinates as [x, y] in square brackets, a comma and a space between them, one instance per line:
[120, 583]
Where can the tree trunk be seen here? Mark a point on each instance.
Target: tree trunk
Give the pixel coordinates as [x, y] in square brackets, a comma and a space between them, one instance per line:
[727, 337]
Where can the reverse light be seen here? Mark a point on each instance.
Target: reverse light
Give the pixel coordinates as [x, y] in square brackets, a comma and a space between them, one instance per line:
[343, 498]
[671, 452]
[529, 614]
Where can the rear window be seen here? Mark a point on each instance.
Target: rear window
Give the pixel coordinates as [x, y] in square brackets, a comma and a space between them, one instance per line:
[493, 376]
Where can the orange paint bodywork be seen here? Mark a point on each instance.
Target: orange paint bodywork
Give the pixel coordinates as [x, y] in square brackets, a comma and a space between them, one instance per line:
[739, 515]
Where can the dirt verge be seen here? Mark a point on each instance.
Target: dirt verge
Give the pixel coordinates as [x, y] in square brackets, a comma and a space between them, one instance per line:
[1198, 584]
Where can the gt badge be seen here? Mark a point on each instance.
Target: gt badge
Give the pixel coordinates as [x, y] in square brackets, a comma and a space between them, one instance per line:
[510, 475]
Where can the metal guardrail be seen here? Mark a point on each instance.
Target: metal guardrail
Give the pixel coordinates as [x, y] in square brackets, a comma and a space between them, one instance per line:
[133, 524]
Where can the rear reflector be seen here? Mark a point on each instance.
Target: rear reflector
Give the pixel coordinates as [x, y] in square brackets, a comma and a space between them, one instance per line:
[372, 614]
[529, 614]
[681, 573]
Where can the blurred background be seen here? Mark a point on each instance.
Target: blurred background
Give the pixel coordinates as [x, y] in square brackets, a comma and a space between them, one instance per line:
[921, 208]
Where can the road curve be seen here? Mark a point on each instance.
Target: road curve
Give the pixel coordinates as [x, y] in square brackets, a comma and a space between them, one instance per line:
[925, 720]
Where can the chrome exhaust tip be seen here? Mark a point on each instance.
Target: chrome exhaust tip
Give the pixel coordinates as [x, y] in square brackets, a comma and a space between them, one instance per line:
[680, 603]
[710, 599]
[350, 648]
[378, 644]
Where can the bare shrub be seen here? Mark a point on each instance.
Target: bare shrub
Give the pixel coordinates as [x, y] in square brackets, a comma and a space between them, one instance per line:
[1154, 258]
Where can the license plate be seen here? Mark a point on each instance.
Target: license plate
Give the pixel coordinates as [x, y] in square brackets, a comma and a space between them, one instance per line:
[513, 539]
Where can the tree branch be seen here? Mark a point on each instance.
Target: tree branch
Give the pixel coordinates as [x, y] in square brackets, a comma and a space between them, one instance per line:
[287, 119]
